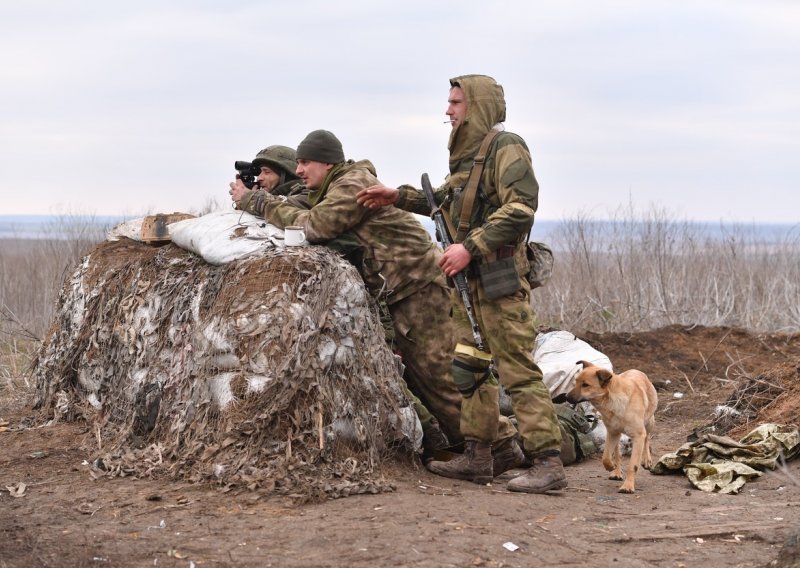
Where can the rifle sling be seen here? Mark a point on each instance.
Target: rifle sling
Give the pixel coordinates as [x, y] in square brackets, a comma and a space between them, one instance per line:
[471, 189]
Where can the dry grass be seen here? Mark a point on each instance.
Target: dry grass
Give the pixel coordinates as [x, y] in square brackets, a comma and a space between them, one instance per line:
[15, 360]
[31, 275]
[643, 272]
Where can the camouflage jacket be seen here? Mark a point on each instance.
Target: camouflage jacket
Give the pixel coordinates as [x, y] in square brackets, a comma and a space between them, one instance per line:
[398, 254]
[291, 187]
[508, 192]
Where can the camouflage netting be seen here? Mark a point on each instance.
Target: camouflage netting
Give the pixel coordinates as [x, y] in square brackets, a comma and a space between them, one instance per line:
[269, 373]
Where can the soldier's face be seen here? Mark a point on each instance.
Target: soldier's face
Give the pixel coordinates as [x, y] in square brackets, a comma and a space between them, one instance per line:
[312, 173]
[456, 106]
[268, 179]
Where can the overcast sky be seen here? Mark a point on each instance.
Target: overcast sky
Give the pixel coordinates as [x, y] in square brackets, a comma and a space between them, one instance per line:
[127, 108]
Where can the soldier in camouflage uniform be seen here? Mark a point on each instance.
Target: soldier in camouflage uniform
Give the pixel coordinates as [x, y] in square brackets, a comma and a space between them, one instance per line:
[498, 231]
[277, 175]
[398, 263]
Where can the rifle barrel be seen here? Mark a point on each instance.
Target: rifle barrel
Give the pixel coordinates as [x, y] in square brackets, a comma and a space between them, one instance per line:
[460, 279]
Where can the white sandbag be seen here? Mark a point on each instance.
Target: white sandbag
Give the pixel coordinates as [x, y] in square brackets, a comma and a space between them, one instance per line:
[557, 354]
[225, 236]
[131, 229]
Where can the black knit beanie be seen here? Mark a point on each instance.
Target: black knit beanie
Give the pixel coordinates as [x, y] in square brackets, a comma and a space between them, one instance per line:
[321, 146]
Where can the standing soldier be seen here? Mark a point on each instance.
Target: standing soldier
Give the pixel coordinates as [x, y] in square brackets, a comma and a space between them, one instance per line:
[490, 244]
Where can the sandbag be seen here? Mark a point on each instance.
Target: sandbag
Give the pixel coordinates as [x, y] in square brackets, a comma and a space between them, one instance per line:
[557, 354]
[225, 236]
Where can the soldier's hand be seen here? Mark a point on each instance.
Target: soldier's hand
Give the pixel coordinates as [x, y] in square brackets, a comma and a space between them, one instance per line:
[455, 259]
[237, 190]
[377, 196]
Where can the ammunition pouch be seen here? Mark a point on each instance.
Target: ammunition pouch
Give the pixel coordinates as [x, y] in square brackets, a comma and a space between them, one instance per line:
[499, 275]
[348, 246]
[469, 378]
[576, 445]
[540, 260]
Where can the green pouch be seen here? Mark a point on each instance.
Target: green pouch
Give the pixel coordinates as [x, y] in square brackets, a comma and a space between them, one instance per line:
[540, 259]
[348, 245]
[499, 278]
[576, 445]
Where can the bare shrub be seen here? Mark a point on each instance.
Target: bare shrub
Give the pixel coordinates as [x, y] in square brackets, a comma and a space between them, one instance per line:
[210, 205]
[31, 274]
[33, 269]
[15, 361]
[637, 272]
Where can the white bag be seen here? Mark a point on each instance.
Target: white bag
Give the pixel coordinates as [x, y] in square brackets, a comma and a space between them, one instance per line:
[224, 236]
[557, 354]
[131, 229]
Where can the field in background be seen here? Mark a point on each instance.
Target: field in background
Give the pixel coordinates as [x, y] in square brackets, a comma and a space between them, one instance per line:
[31, 274]
[632, 273]
[638, 273]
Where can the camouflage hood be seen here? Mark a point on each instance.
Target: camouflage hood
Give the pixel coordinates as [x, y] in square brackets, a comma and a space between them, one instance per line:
[486, 106]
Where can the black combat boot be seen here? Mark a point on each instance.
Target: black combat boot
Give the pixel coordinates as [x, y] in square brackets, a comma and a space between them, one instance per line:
[546, 474]
[475, 464]
[432, 439]
[506, 455]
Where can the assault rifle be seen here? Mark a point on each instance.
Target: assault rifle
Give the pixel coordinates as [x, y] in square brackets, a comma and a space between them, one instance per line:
[247, 172]
[460, 279]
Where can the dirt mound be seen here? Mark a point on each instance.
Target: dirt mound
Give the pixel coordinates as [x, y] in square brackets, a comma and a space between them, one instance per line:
[680, 357]
[269, 372]
[772, 396]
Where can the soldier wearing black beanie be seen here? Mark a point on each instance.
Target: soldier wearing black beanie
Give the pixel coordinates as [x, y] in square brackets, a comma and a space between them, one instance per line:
[321, 146]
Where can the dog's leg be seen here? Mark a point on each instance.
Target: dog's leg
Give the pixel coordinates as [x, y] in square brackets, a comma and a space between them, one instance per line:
[639, 441]
[647, 458]
[611, 456]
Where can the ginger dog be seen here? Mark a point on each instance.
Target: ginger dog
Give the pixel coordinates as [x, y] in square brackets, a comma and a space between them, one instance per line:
[627, 403]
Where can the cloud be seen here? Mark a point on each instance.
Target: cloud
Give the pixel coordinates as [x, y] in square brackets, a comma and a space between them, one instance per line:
[147, 104]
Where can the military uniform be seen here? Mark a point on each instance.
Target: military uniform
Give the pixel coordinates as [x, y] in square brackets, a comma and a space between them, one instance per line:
[292, 190]
[502, 216]
[399, 264]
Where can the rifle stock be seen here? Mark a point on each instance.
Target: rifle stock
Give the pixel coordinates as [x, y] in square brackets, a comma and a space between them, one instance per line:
[460, 279]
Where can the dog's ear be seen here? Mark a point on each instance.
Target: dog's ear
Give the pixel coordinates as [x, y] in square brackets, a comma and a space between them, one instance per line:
[583, 364]
[603, 375]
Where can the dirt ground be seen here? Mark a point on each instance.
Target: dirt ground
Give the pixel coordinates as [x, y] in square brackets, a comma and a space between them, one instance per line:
[65, 518]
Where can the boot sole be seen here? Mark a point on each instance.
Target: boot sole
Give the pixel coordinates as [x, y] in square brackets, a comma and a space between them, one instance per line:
[555, 486]
[479, 479]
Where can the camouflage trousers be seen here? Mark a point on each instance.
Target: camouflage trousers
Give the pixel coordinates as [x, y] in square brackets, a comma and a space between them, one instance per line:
[507, 328]
[423, 333]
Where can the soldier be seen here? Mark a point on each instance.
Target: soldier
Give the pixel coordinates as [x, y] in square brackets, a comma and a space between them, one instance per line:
[398, 262]
[277, 173]
[491, 247]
